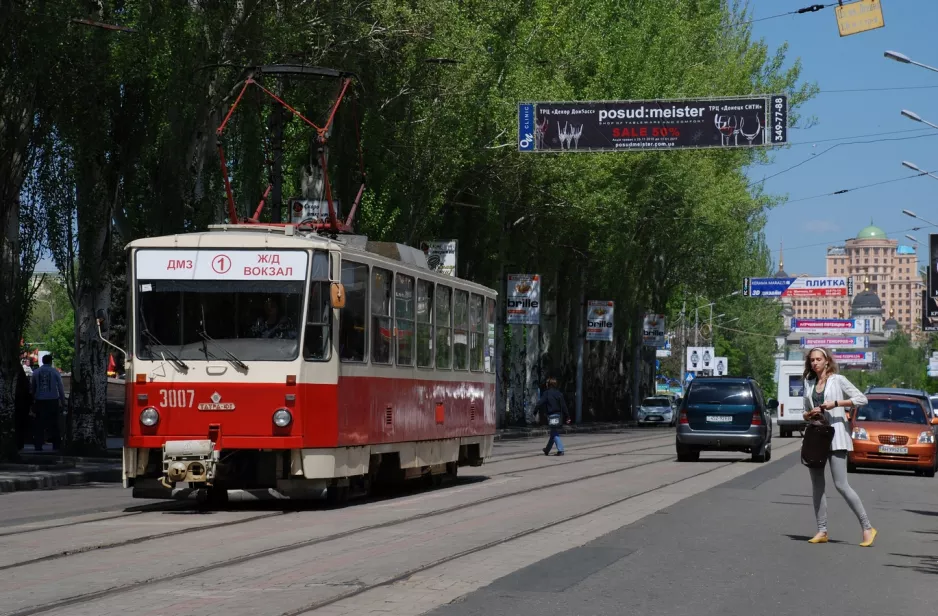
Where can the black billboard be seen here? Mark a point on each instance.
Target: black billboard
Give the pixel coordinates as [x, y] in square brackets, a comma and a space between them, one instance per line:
[929, 308]
[931, 280]
[615, 126]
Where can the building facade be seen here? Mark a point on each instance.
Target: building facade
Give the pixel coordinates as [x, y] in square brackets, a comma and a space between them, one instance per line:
[878, 265]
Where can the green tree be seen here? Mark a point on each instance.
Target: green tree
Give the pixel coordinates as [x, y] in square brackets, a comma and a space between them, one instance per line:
[61, 341]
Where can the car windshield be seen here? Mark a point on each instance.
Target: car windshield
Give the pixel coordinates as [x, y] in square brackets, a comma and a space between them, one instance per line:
[893, 411]
[719, 393]
[656, 402]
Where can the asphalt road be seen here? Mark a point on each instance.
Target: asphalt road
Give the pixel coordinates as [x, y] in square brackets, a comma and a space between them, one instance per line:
[616, 526]
[739, 549]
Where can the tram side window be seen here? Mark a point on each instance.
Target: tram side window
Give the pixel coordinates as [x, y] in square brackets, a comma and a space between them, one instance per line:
[404, 318]
[381, 316]
[444, 327]
[476, 332]
[353, 319]
[490, 335]
[424, 324]
[461, 330]
[318, 343]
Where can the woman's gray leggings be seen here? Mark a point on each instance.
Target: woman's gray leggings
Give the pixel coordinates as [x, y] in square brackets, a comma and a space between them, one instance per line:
[838, 464]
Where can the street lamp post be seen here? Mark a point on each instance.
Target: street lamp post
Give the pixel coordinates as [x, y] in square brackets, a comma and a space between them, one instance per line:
[904, 59]
[917, 118]
[919, 170]
[914, 215]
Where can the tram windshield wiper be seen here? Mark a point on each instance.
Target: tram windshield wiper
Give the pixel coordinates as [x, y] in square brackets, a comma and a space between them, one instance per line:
[231, 358]
[173, 358]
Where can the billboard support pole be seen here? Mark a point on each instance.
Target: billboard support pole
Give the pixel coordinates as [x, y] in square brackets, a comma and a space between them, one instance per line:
[636, 367]
[581, 339]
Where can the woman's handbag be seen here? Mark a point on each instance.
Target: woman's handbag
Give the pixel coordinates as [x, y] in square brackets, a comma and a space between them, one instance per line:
[816, 445]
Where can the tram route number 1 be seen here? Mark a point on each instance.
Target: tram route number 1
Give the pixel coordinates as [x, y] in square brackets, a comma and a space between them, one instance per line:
[177, 398]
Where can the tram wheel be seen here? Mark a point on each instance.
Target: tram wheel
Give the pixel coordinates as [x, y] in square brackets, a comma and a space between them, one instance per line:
[337, 496]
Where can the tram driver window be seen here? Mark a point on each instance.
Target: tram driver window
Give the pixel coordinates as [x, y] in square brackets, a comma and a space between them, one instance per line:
[461, 330]
[353, 318]
[318, 343]
[380, 316]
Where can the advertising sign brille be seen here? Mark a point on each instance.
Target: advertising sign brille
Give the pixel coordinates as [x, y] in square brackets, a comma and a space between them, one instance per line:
[615, 126]
[524, 299]
[599, 316]
[826, 286]
[653, 331]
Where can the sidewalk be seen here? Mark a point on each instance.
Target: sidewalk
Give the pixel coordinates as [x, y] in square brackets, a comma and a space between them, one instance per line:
[48, 469]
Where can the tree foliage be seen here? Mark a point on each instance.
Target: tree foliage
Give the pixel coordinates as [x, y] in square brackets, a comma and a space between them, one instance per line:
[129, 149]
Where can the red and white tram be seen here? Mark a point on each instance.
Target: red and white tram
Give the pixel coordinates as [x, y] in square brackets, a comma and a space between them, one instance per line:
[270, 363]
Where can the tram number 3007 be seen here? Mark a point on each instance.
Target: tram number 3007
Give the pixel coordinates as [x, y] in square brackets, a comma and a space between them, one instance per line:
[177, 398]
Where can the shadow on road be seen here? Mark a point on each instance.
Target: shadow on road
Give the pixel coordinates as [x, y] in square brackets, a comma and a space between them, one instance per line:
[926, 564]
[806, 537]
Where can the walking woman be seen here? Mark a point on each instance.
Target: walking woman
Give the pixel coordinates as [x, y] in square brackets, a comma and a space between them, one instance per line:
[555, 407]
[827, 394]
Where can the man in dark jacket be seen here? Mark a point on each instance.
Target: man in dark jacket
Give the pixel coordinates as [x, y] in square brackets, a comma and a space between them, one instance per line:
[555, 407]
[49, 395]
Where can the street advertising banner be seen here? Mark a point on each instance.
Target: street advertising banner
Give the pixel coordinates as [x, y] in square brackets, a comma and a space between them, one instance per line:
[665, 351]
[524, 299]
[837, 286]
[818, 326]
[854, 358]
[441, 256]
[836, 342]
[653, 331]
[616, 126]
[700, 358]
[929, 308]
[933, 273]
[859, 16]
[599, 320]
[721, 366]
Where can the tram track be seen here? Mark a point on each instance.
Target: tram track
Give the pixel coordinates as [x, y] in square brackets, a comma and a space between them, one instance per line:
[283, 549]
[177, 533]
[491, 544]
[595, 445]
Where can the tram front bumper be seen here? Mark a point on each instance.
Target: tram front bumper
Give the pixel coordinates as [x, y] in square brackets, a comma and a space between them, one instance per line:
[191, 461]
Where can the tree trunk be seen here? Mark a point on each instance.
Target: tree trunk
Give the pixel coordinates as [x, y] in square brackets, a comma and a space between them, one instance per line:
[88, 396]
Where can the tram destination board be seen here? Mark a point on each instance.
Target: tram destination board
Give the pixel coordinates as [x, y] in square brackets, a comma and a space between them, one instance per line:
[614, 126]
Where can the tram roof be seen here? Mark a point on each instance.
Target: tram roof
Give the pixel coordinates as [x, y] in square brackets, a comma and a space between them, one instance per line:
[286, 236]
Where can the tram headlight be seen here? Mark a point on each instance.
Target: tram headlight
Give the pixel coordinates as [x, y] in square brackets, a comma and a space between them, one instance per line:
[282, 418]
[149, 416]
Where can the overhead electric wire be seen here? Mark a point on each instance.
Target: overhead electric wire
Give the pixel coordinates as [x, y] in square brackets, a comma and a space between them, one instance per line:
[808, 9]
[794, 248]
[856, 188]
[821, 153]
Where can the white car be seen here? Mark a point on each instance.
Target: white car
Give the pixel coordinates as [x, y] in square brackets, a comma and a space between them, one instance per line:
[655, 410]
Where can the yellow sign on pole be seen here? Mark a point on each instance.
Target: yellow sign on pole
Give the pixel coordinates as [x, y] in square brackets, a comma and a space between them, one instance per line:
[860, 16]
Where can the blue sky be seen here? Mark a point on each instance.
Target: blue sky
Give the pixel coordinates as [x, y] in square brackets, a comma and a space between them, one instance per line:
[855, 62]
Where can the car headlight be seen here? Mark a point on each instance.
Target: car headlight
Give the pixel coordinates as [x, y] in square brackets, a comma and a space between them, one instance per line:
[926, 437]
[282, 418]
[149, 416]
[860, 434]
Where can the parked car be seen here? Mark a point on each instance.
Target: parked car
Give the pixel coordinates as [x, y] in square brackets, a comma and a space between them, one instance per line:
[725, 414]
[655, 410]
[893, 431]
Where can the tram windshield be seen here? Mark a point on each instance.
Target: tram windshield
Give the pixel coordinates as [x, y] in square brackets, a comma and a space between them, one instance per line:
[208, 319]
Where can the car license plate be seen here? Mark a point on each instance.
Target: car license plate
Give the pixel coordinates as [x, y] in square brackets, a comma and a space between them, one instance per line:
[893, 449]
[653, 418]
[720, 418]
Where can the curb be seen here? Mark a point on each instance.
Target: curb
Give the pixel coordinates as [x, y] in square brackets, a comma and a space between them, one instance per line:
[57, 480]
[513, 434]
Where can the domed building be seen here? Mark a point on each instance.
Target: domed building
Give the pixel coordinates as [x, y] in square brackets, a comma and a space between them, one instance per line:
[880, 266]
[867, 306]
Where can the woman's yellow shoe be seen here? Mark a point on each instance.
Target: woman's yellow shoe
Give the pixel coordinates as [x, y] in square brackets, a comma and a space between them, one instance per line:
[818, 539]
[869, 543]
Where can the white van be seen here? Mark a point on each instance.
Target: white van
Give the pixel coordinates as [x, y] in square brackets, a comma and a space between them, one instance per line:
[790, 397]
